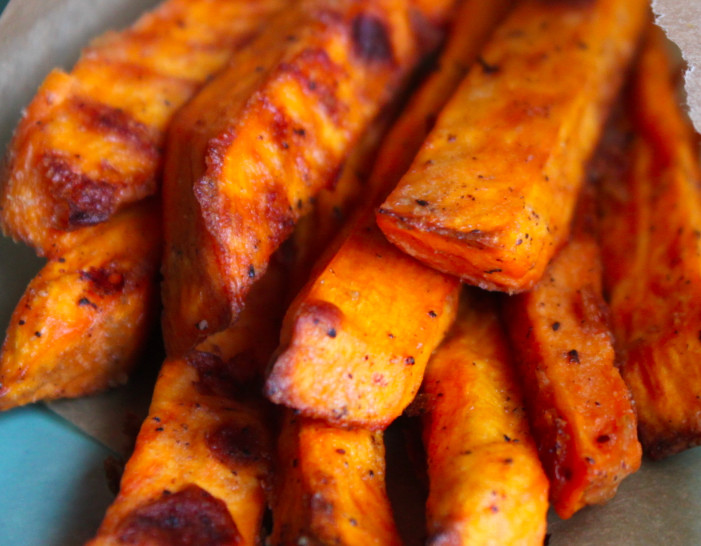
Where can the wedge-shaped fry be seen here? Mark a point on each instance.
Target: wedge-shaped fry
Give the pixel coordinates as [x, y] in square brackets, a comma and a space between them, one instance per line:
[198, 472]
[356, 340]
[650, 237]
[248, 154]
[487, 485]
[227, 363]
[84, 318]
[91, 141]
[580, 408]
[490, 195]
[331, 486]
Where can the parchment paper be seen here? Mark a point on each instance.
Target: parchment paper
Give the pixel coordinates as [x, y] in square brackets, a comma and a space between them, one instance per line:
[681, 19]
[658, 505]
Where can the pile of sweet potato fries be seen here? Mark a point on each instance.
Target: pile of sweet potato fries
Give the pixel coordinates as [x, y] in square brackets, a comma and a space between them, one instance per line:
[317, 182]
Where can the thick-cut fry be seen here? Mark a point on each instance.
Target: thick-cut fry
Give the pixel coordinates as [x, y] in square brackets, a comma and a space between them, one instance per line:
[487, 485]
[83, 320]
[249, 153]
[199, 469]
[62, 341]
[356, 340]
[650, 237]
[580, 408]
[91, 141]
[490, 195]
[227, 364]
[331, 487]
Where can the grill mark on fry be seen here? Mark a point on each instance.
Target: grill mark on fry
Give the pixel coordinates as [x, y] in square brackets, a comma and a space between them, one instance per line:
[104, 281]
[86, 201]
[318, 74]
[234, 445]
[190, 516]
[102, 118]
[216, 377]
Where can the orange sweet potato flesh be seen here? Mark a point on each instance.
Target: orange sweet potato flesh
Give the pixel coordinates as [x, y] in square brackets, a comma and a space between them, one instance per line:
[580, 408]
[651, 220]
[248, 154]
[330, 487]
[487, 485]
[199, 469]
[227, 364]
[490, 195]
[342, 359]
[208, 432]
[83, 320]
[91, 140]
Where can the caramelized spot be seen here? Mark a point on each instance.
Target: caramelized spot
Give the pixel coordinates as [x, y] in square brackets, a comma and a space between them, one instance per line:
[371, 41]
[87, 201]
[189, 517]
[323, 315]
[104, 280]
[118, 124]
[216, 377]
[234, 445]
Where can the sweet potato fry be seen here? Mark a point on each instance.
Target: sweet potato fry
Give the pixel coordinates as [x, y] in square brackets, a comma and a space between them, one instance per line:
[580, 408]
[331, 487]
[249, 153]
[226, 364]
[84, 318]
[341, 360]
[487, 485]
[490, 195]
[651, 220]
[202, 458]
[91, 141]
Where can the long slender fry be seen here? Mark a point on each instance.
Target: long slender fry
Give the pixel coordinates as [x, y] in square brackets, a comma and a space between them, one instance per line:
[91, 140]
[356, 340]
[331, 487]
[83, 320]
[650, 235]
[247, 156]
[490, 195]
[580, 408]
[486, 482]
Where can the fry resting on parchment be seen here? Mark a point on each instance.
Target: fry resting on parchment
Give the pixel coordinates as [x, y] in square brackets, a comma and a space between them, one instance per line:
[246, 157]
[202, 458]
[651, 221]
[206, 446]
[84, 319]
[490, 195]
[331, 487]
[356, 340]
[91, 140]
[580, 408]
[487, 486]
[196, 396]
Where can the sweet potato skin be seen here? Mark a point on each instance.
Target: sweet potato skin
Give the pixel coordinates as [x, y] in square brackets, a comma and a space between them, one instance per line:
[650, 222]
[487, 485]
[371, 367]
[91, 140]
[249, 153]
[83, 320]
[490, 195]
[198, 472]
[580, 408]
[331, 486]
